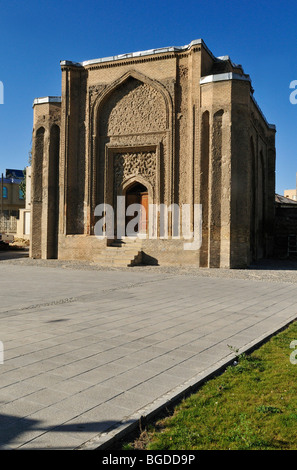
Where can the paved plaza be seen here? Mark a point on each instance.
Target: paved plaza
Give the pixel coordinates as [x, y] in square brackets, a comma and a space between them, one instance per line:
[88, 351]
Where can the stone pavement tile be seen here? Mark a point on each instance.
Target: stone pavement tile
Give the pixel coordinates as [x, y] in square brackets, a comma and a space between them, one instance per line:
[136, 345]
[180, 356]
[52, 440]
[17, 390]
[242, 339]
[110, 354]
[104, 357]
[44, 379]
[78, 403]
[101, 373]
[98, 394]
[155, 387]
[70, 386]
[8, 421]
[290, 311]
[142, 356]
[131, 378]
[145, 339]
[21, 407]
[81, 428]
[12, 352]
[75, 368]
[47, 396]
[21, 361]
[205, 359]
[178, 341]
[9, 378]
[130, 400]
[183, 371]
[59, 360]
[26, 372]
[18, 431]
[196, 346]
[33, 426]
[161, 363]
[104, 414]
[73, 355]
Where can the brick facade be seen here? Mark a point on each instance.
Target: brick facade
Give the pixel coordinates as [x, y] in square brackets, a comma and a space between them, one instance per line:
[181, 123]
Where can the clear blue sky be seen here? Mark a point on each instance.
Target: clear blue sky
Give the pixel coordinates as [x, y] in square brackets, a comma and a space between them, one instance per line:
[37, 34]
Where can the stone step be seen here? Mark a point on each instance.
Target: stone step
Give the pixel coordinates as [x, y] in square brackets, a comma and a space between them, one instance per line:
[126, 242]
[119, 257]
[118, 262]
[123, 257]
[122, 249]
[121, 252]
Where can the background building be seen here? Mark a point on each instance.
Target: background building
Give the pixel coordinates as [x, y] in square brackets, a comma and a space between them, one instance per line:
[291, 193]
[285, 230]
[24, 220]
[167, 126]
[12, 200]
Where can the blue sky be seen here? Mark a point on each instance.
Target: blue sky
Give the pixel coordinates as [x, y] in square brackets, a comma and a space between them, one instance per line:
[36, 35]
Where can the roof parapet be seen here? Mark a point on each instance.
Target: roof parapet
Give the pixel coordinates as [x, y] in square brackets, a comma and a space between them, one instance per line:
[161, 50]
[271, 126]
[235, 76]
[224, 76]
[47, 99]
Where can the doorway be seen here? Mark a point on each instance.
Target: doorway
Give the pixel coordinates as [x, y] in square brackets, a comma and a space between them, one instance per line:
[137, 194]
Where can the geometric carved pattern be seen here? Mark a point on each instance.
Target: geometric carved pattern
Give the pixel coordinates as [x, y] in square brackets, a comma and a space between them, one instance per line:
[131, 164]
[133, 108]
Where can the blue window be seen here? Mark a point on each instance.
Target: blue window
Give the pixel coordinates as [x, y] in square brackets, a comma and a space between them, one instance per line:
[5, 192]
[21, 194]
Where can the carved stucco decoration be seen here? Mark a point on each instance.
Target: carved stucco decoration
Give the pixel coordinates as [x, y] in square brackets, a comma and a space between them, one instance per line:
[132, 164]
[133, 108]
[95, 90]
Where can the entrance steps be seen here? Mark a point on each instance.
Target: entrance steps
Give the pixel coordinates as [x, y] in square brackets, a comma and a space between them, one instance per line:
[123, 252]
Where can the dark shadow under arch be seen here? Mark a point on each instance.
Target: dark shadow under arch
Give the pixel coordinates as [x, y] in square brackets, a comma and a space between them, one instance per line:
[37, 190]
[53, 192]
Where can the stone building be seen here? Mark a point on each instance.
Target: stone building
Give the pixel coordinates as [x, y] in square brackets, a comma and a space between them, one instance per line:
[291, 193]
[172, 127]
[24, 221]
[285, 228]
[12, 200]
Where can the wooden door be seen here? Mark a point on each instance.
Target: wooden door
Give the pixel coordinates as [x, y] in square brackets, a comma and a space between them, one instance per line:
[144, 212]
[131, 198]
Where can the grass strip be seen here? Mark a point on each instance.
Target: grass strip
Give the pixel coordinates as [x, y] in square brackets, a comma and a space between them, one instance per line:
[251, 406]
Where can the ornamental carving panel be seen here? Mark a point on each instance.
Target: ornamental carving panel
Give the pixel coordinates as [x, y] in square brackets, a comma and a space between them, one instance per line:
[133, 108]
[95, 90]
[127, 165]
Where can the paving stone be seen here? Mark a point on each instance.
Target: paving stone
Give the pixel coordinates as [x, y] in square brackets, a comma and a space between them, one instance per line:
[87, 348]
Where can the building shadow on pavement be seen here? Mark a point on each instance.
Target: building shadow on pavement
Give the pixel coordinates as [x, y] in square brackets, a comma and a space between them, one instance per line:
[9, 253]
[12, 428]
[288, 264]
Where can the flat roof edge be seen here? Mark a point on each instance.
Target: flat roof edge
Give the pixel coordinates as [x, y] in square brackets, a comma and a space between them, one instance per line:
[47, 99]
[235, 76]
[224, 77]
[271, 126]
[132, 55]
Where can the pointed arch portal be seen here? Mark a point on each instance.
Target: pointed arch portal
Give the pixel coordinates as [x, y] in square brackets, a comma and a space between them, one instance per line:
[137, 193]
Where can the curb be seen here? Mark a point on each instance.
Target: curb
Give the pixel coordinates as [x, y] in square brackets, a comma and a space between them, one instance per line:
[110, 438]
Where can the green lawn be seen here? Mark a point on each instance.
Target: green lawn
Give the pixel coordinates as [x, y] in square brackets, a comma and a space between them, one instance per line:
[252, 405]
